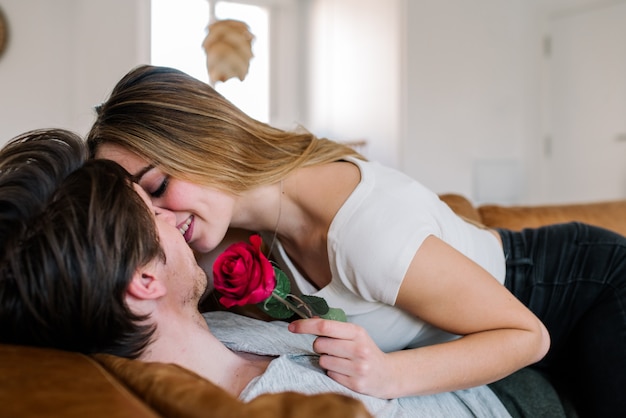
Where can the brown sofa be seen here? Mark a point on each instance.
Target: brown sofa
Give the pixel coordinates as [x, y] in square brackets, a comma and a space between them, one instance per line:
[608, 214]
[38, 382]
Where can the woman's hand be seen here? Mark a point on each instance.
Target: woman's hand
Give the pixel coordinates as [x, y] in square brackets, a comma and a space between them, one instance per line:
[348, 355]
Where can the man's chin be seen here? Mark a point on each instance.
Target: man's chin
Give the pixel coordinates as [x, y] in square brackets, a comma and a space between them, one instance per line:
[205, 290]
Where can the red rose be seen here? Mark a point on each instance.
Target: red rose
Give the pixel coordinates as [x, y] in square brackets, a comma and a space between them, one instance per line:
[243, 275]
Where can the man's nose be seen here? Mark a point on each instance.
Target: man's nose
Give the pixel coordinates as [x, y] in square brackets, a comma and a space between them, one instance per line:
[167, 215]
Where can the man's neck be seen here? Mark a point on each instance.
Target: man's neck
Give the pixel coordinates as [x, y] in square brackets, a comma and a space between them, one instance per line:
[190, 344]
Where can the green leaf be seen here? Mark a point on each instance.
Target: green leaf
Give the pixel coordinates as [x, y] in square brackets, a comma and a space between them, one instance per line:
[283, 287]
[336, 314]
[318, 305]
[315, 305]
[274, 308]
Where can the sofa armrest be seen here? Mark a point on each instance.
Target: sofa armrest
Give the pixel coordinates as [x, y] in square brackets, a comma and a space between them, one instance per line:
[42, 382]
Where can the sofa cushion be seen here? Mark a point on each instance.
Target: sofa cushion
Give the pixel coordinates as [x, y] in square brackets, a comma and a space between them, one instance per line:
[40, 382]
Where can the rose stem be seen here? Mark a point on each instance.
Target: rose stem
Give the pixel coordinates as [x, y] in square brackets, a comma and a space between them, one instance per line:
[291, 306]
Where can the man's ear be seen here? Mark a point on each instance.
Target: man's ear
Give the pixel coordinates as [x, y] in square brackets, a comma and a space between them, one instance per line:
[144, 285]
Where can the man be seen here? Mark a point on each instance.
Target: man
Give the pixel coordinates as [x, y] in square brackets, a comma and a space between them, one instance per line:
[84, 268]
[89, 265]
[56, 243]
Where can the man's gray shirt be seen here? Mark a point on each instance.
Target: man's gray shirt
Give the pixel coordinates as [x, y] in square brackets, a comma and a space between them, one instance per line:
[296, 368]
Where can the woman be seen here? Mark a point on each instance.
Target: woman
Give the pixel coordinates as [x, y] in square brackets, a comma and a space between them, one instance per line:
[422, 288]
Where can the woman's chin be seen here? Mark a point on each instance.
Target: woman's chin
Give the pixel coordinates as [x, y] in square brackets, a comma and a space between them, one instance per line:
[200, 247]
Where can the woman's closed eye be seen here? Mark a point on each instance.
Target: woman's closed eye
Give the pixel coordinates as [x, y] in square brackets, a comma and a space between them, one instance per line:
[161, 189]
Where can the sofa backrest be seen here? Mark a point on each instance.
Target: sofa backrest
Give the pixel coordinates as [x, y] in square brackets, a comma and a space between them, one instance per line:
[609, 214]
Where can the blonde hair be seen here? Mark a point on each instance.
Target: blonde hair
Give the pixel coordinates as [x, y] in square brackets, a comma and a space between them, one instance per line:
[191, 132]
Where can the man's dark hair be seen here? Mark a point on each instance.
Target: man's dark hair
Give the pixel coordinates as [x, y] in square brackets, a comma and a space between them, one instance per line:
[72, 233]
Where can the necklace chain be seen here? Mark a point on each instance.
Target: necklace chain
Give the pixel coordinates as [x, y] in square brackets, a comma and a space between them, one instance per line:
[280, 207]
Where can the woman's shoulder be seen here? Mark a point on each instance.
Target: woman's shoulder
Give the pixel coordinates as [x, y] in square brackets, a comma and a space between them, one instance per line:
[324, 188]
[333, 173]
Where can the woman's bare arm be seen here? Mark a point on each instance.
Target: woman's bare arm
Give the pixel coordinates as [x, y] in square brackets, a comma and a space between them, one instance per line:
[448, 290]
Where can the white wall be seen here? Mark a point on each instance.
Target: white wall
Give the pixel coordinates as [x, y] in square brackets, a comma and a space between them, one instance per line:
[64, 57]
[472, 96]
[451, 92]
[355, 74]
[445, 91]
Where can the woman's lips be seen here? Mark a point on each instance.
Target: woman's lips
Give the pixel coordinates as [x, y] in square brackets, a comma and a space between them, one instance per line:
[186, 228]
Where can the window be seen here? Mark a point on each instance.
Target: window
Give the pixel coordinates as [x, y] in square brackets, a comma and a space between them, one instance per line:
[178, 29]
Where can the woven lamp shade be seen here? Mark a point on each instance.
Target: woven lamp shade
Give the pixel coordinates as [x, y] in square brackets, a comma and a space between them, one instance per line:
[228, 47]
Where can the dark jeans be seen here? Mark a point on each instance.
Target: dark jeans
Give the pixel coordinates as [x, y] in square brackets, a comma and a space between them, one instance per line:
[573, 277]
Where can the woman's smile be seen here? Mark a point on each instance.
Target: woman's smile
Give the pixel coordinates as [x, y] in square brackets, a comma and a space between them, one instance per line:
[191, 202]
[186, 228]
